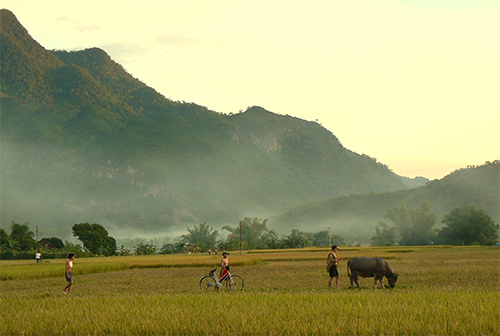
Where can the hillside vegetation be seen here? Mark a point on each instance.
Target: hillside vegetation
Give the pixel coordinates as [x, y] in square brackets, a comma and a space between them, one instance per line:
[84, 141]
[355, 216]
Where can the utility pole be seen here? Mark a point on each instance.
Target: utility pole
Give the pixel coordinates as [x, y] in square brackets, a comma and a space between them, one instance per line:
[329, 238]
[37, 249]
[241, 224]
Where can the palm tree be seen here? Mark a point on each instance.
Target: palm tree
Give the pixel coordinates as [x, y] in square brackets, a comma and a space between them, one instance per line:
[202, 235]
[22, 234]
[10, 245]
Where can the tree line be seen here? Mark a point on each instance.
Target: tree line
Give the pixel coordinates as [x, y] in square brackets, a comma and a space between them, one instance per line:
[251, 233]
[95, 240]
[21, 244]
[465, 225]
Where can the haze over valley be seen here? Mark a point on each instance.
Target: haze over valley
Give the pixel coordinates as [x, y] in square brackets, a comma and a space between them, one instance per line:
[84, 141]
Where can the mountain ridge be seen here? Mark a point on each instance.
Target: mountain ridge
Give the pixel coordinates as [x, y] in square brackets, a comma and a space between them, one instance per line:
[87, 142]
[355, 216]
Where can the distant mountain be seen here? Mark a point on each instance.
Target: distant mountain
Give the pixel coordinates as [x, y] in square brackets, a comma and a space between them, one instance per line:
[84, 141]
[414, 182]
[356, 216]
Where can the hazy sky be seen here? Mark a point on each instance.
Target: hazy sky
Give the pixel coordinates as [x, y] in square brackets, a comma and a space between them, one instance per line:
[415, 84]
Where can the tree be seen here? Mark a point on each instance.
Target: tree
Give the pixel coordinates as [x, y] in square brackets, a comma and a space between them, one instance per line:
[399, 216]
[168, 248]
[123, 251]
[296, 239]
[145, 249]
[175, 247]
[4, 239]
[270, 239]
[202, 235]
[70, 247]
[338, 240]
[323, 238]
[253, 232]
[95, 238]
[423, 221]
[384, 235]
[22, 235]
[7, 243]
[467, 225]
[414, 226]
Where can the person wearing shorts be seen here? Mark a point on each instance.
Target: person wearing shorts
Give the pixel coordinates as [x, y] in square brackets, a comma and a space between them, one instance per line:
[332, 267]
[38, 256]
[69, 273]
[224, 263]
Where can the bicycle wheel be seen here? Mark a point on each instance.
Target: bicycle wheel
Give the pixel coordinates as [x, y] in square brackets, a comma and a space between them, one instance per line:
[208, 283]
[235, 283]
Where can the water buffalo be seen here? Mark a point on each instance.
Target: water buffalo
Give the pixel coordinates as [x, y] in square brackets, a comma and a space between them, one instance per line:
[368, 267]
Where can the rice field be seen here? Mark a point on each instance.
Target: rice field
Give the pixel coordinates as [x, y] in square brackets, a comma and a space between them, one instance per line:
[440, 291]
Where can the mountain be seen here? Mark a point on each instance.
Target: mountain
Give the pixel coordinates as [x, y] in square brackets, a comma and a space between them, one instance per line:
[356, 216]
[84, 141]
[414, 182]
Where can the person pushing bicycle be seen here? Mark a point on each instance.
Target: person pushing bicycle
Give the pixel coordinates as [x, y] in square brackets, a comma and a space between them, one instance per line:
[209, 281]
[224, 263]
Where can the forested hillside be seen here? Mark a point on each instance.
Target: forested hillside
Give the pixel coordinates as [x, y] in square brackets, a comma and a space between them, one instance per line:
[84, 141]
[355, 216]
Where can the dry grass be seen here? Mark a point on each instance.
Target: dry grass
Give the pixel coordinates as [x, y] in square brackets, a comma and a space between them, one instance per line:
[441, 291]
[29, 269]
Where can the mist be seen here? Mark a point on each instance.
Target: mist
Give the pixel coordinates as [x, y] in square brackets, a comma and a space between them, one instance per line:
[84, 141]
[54, 190]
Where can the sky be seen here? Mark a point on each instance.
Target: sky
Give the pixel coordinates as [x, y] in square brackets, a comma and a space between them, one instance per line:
[414, 84]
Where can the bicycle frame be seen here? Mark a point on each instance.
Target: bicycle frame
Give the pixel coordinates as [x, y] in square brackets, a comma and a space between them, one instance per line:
[218, 283]
[233, 281]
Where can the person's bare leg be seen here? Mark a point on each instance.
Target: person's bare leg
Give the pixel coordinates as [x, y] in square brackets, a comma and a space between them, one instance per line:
[67, 289]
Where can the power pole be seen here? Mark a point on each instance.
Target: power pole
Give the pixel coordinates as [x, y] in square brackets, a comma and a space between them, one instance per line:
[329, 238]
[240, 236]
[37, 238]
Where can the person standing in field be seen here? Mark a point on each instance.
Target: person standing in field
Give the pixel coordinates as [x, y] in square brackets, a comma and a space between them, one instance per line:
[38, 256]
[69, 273]
[224, 263]
[331, 267]
[224, 271]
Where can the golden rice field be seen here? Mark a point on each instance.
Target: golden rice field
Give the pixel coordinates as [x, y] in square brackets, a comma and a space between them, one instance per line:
[440, 291]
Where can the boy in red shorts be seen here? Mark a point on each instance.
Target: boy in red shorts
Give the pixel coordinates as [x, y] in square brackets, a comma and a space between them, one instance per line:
[224, 263]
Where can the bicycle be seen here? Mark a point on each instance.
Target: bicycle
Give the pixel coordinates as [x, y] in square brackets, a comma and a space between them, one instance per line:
[210, 282]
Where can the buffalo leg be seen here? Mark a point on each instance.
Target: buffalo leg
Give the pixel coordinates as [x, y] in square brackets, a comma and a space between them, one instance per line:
[381, 282]
[354, 279]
